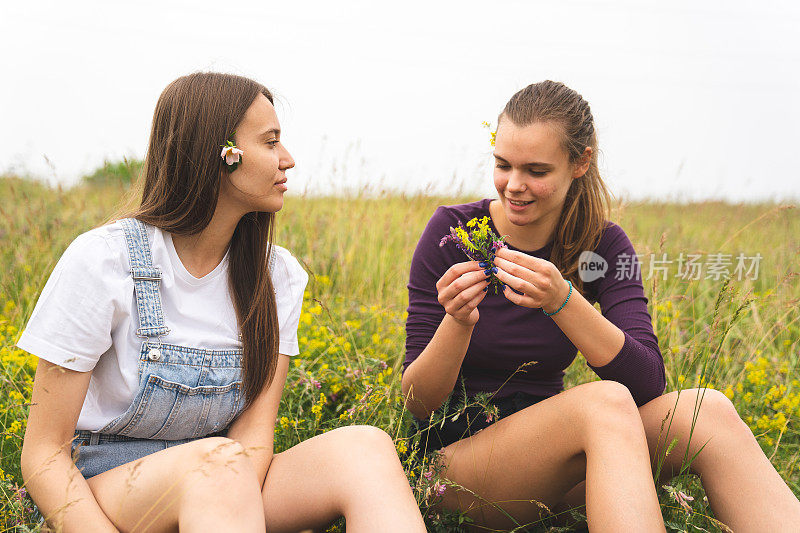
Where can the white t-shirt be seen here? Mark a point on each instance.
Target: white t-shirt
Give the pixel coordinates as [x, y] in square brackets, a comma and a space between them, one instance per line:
[86, 317]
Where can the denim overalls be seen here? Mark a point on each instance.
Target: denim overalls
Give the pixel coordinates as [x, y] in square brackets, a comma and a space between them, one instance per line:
[184, 393]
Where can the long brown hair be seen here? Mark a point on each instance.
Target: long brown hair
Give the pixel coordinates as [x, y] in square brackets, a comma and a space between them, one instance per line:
[179, 187]
[586, 207]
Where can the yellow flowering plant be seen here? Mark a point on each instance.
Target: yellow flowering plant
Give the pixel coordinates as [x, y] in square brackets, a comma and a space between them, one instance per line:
[478, 242]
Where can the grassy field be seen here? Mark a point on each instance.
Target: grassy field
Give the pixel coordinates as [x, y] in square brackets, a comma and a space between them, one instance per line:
[740, 337]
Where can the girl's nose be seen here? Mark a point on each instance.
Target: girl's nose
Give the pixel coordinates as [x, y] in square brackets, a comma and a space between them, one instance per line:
[516, 182]
[286, 162]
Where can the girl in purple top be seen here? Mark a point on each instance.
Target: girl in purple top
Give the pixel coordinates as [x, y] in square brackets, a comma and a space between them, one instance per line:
[593, 444]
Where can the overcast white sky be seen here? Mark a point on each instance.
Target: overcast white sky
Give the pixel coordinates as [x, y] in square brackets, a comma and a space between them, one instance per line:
[692, 100]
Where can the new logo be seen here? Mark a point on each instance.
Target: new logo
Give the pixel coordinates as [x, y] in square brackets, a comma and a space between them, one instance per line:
[591, 266]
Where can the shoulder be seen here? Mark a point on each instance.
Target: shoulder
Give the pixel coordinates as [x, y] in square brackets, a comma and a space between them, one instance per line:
[286, 269]
[96, 250]
[613, 241]
[613, 252]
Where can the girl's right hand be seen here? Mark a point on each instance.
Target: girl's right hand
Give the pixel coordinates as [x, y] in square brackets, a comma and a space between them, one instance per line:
[461, 289]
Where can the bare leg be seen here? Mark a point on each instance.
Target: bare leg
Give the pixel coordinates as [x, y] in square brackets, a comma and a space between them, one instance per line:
[353, 472]
[744, 490]
[539, 453]
[204, 485]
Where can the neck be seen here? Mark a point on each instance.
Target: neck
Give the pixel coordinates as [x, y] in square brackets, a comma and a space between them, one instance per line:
[202, 252]
[529, 237]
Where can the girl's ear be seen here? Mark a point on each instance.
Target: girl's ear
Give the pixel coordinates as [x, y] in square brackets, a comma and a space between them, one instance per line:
[582, 165]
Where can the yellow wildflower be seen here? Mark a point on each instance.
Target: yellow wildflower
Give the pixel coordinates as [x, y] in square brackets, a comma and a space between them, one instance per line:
[728, 392]
[401, 446]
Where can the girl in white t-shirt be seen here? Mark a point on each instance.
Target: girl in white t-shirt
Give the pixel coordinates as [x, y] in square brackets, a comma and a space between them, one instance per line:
[164, 341]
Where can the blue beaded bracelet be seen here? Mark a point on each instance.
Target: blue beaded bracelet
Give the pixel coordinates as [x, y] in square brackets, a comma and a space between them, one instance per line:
[562, 305]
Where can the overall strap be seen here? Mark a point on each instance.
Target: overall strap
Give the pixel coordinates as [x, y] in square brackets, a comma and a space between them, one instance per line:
[271, 265]
[145, 281]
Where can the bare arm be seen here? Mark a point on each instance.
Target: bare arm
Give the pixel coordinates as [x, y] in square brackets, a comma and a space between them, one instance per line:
[255, 427]
[59, 489]
[431, 377]
[593, 334]
[629, 356]
[543, 286]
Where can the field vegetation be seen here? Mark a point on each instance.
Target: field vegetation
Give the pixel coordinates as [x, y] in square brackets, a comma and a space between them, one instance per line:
[740, 336]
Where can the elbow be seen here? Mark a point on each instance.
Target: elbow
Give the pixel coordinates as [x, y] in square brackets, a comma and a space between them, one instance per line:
[412, 403]
[660, 379]
[406, 383]
[646, 395]
[27, 458]
[29, 462]
[36, 457]
[24, 466]
[407, 388]
[642, 399]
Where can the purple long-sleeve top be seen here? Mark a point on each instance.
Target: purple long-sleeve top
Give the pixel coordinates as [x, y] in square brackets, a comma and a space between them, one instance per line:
[508, 335]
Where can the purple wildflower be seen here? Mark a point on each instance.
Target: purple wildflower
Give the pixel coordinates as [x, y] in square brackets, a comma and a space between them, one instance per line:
[683, 499]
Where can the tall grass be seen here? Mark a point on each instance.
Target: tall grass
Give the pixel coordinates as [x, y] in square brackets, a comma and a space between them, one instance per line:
[740, 337]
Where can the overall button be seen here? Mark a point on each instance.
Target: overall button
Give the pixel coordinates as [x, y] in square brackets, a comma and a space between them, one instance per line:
[154, 354]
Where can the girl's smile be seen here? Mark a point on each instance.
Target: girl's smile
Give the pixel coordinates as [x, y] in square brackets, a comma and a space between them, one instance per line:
[532, 176]
[518, 205]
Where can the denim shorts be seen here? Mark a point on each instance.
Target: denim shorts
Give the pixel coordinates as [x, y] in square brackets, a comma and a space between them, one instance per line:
[94, 453]
[471, 421]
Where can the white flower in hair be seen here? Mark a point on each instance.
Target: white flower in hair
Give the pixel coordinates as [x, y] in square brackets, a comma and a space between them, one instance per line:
[231, 154]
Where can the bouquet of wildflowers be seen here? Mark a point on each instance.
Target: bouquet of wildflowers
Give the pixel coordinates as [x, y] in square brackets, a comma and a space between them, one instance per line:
[479, 243]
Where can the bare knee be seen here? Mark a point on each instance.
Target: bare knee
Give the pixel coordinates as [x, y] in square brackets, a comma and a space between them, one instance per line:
[223, 463]
[702, 418]
[365, 456]
[362, 440]
[720, 408]
[716, 412]
[364, 451]
[376, 438]
[603, 400]
[607, 408]
[362, 435]
[219, 450]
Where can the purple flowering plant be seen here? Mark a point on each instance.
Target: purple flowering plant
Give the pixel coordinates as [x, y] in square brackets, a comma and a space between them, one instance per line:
[478, 242]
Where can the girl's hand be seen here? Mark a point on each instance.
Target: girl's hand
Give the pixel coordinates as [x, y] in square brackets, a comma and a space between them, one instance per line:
[539, 281]
[461, 289]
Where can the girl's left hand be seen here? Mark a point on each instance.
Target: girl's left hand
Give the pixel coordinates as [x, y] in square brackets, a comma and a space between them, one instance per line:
[539, 281]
